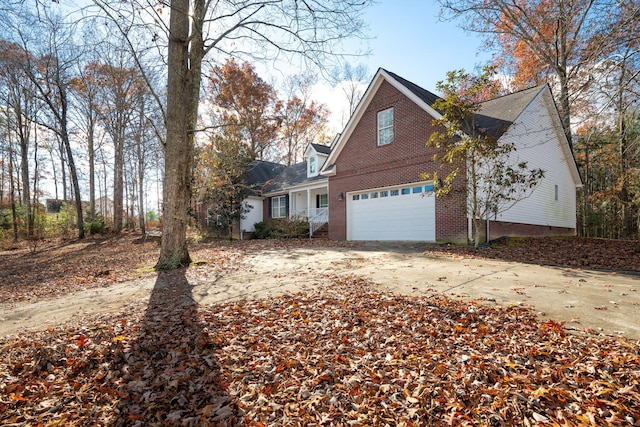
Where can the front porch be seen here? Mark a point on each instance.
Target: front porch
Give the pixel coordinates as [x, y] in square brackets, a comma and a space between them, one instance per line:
[311, 205]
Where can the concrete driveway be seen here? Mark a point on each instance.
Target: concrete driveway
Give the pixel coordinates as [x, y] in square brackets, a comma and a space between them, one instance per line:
[603, 302]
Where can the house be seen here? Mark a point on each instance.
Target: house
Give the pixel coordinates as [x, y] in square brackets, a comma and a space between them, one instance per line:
[367, 185]
[298, 191]
[259, 174]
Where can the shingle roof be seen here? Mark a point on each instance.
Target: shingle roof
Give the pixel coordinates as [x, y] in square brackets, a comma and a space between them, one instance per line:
[497, 114]
[260, 172]
[322, 149]
[291, 176]
[423, 94]
[494, 116]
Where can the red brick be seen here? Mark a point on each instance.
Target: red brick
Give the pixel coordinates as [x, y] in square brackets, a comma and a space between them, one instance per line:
[362, 164]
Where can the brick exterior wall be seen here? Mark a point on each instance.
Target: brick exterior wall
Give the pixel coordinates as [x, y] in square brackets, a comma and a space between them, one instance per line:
[500, 228]
[363, 164]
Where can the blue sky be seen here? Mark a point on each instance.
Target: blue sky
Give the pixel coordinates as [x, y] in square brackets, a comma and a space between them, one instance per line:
[409, 39]
[412, 42]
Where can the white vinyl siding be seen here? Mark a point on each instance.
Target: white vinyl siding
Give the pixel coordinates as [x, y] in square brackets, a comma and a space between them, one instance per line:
[254, 215]
[553, 202]
[376, 215]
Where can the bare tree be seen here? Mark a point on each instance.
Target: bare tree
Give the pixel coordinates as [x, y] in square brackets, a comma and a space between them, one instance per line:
[17, 95]
[85, 91]
[48, 44]
[353, 81]
[120, 88]
[303, 120]
[611, 123]
[258, 29]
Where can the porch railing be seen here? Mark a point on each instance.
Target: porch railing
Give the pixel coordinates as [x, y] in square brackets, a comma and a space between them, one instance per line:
[319, 218]
[316, 217]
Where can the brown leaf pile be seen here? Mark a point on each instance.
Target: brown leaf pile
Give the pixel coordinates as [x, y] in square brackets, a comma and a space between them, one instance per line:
[68, 266]
[62, 267]
[599, 254]
[340, 356]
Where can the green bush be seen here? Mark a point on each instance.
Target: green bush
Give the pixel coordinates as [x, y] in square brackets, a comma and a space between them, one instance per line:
[280, 228]
[61, 223]
[5, 219]
[94, 224]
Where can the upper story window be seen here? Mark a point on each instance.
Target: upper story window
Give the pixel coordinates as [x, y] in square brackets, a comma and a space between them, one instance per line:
[385, 126]
[312, 165]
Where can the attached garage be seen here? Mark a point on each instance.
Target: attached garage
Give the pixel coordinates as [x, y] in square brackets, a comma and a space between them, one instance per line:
[393, 213]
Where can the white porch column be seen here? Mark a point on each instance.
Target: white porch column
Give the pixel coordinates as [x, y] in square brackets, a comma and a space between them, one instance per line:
[308, 203]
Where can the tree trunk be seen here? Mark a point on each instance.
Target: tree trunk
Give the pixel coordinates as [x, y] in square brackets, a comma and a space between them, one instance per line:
[12, 195]
[141, 212]
[92, 172]
[586, 191]
[26, 190]
[183, 90]
[63, 160]
[141, 163]
[118, 190]
[72, 165]
[33, 206]
[628, 228]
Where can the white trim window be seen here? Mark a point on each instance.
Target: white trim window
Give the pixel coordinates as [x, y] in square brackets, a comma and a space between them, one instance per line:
[323, 201]
[279, 207]
[312, 166]
[385, 126]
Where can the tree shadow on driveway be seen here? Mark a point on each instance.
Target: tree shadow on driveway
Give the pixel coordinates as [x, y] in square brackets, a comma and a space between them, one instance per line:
[170, 373]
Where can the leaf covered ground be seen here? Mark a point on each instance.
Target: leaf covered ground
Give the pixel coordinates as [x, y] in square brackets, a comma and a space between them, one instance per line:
[341, 355]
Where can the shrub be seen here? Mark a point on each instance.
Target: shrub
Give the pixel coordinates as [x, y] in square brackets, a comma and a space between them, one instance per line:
[94, 224]
[280, 228]
[62, 223]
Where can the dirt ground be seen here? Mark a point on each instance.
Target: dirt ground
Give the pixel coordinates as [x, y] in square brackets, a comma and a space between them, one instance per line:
[584, 300]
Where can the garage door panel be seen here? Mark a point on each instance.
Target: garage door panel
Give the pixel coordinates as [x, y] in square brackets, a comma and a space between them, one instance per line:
[401, 217]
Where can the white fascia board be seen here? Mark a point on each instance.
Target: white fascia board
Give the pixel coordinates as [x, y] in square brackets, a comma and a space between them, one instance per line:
[310, 186]
[412, 96]
[308, 151]
[330, 171]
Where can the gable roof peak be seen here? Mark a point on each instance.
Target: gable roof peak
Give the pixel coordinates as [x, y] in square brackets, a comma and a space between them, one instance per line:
[425, 95]
[497, 114]
[322, 149]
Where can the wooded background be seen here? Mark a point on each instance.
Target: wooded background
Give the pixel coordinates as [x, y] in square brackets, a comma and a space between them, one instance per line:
[82, 118]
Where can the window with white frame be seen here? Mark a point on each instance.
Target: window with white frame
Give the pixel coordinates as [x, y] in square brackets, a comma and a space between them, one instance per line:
[323, 201]
[385, 126]
[279, 207]
[312, 165]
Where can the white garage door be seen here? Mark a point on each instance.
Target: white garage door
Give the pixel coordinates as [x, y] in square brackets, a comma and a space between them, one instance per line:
[395, 213]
